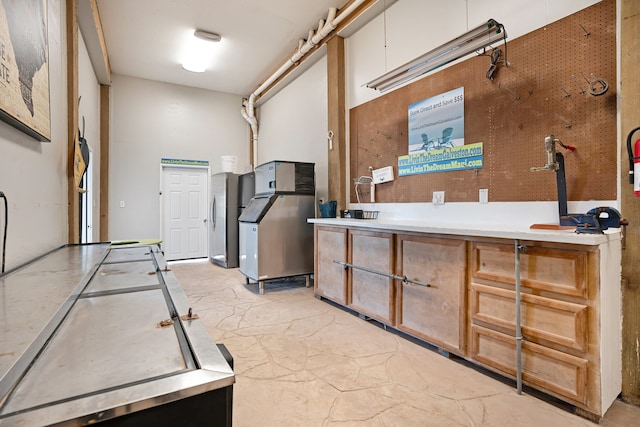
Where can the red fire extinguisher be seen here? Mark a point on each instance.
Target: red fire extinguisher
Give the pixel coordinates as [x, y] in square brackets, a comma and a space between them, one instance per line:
[636, 168]
[634, 162]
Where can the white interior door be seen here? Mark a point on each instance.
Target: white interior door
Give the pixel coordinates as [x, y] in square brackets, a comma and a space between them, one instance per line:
[184, 209]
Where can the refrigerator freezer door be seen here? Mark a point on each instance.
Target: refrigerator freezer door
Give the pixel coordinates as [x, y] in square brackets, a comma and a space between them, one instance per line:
[223, 226]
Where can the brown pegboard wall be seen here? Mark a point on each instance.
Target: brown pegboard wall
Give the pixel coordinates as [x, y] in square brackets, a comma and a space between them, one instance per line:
[541, 92]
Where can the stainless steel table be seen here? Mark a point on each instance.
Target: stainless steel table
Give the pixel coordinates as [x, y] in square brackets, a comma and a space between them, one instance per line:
[81, 342]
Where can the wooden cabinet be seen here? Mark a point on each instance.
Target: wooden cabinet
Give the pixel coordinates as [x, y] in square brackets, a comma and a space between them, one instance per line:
[369, 293]
[330, 278]
[569, 302]
[437, 313]
[558, 312]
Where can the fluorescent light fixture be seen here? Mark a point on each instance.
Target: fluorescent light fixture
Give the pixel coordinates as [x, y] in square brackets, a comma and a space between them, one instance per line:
[475, 39]
[200, 51]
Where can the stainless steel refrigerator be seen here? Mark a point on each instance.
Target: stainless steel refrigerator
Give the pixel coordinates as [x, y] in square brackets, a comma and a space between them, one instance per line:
[223, 220]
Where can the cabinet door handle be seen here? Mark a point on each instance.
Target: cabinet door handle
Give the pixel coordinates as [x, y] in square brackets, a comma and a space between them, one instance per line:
[404, 279]
[415, 282]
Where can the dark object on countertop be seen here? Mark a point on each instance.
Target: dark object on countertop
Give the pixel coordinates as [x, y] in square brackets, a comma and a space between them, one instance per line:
[354, 213]
[358, 214]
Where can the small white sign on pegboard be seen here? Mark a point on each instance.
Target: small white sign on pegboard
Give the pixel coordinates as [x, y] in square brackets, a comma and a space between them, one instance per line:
[382, 175]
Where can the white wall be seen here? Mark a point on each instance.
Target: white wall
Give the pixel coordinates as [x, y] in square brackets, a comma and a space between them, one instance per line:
[89, 108]
[410, 28]
[293, 124]
[33, 175]
[152, 120]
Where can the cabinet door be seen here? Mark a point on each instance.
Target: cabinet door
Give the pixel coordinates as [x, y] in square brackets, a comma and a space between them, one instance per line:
[557, 373]
[556, 270]
[330, 279]
[369, 293]
[552, 322]
[436, 313]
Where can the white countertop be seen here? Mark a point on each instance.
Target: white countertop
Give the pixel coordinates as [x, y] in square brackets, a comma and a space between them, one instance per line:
[475, 230]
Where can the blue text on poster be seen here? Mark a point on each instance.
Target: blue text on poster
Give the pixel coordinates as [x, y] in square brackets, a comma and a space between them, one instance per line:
[442, 160]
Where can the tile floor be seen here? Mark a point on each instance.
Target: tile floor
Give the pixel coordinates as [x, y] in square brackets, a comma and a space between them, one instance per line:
[300, 361]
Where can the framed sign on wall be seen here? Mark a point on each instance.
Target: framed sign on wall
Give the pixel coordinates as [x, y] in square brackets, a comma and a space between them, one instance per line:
[24, 67]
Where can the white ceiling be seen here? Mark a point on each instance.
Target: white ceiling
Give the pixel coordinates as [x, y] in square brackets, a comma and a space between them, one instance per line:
[145, 38]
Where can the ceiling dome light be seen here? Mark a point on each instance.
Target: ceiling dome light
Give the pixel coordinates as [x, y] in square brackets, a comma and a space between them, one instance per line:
[206, 35]
[193, 67]
[199, 51]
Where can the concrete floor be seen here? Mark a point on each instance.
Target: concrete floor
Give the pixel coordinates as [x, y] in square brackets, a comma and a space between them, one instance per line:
[300, 361]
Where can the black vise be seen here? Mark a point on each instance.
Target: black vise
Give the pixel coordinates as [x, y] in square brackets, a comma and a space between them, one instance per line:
[596, 220]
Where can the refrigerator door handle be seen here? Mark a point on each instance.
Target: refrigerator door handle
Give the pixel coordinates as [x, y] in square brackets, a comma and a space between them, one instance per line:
[213, 213]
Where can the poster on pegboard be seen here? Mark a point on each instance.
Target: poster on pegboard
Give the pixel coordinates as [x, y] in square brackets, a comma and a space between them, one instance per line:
[436, 137]
[437, 122]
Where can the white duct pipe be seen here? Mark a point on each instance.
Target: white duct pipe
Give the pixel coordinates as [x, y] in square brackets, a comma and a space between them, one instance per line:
[248, 113]
[320, 27]
[348, 11]
[250, 110]
[324, 29]
[330, 25]
[312, 40]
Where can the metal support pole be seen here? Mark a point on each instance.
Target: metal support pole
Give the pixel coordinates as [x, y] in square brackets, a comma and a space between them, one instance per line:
[518, 248]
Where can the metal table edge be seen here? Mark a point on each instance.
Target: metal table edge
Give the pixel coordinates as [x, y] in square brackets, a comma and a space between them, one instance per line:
[90, 410]
[212, 372]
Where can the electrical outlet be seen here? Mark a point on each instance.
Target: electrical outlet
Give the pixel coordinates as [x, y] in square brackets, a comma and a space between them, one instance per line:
[122, 203]
[483, 195]
[438, 198]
